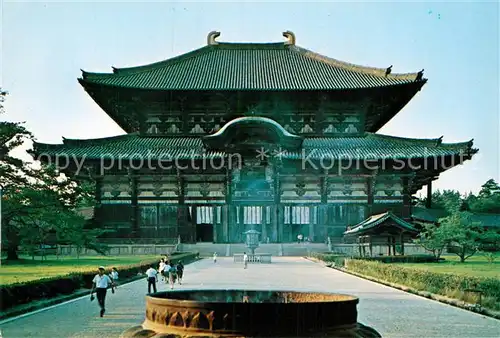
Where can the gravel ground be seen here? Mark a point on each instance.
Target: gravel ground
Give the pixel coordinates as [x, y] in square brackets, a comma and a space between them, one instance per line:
[391, 312]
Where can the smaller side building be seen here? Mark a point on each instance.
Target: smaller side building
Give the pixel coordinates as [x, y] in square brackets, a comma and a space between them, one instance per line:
[384, 229]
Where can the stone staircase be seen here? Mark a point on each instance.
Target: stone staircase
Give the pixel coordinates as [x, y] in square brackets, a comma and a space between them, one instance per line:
[275, 249]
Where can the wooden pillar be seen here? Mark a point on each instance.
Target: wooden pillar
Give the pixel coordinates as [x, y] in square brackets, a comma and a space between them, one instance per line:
[229, 210]
[98, 198]
[264, 224]
[393, 238]
[225, 223]
[370, 245]
[401, 240]
[184, 227]
[428, 201]
[134, 218]
[389, 244]
[370, 185]
[214, 224]
[194, 231]
[311, 223]
[323, 208]
[406, 198]
[277, 210]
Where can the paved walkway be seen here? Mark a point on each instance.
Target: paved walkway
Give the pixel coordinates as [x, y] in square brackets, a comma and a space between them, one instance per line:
[391, 312]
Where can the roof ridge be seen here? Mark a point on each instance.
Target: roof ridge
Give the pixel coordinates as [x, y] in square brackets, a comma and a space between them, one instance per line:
[401, 138]
[117, 72]
[69, 141]
[375, 71]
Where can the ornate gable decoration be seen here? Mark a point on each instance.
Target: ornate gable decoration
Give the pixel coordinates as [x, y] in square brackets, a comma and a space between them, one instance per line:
[252, 132]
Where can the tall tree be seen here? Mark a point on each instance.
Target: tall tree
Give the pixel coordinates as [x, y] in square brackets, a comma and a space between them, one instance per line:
[34, 201]
[488, 199]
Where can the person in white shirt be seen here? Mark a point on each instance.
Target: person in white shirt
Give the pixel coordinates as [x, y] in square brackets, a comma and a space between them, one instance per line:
[215, 257]
[100, 284]
[245, 260]
[114, 276]
[161, 268]
[152, 276]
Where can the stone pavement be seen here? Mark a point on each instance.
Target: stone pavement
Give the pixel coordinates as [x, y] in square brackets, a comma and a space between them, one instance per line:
[391, 312]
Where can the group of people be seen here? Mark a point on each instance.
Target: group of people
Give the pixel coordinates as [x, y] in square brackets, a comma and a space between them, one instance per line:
[168, 271]
[302, 239]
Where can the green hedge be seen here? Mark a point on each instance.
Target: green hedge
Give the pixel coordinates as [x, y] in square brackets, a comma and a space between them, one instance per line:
[401, 259]
[23, 293]
[452, 285]
[336, 259]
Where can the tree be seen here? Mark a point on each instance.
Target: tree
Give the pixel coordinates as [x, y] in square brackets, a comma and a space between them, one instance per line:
[464, 234]
[35, 202]
[434, 239]
[488, 199]
[446, 199]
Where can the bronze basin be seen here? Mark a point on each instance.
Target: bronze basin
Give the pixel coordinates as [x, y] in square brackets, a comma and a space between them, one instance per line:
[249, 313]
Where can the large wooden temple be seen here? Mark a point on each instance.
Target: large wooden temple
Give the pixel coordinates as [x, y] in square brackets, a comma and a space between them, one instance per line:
[237, 136]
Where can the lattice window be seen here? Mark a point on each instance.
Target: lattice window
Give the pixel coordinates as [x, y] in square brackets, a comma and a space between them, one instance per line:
[297, 215]
[268, 215]
[252, 215]
[204, 215]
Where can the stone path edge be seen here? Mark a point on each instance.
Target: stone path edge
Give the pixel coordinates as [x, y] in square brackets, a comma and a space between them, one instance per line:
[38, 305]
[442, 299]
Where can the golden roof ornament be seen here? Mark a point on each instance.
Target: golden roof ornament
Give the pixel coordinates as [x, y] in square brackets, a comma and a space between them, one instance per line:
[211, 38]
[290, 38]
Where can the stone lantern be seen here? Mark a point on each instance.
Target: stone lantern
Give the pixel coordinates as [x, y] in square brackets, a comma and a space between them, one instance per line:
[252, 240]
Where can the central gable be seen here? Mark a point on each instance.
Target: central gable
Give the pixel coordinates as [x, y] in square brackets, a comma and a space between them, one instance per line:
[252, 133]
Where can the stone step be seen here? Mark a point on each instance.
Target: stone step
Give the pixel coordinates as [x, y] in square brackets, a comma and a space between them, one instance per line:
[275, 249]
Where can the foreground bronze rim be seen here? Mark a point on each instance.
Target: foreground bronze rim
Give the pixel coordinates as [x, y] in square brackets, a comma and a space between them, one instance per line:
[250, 313]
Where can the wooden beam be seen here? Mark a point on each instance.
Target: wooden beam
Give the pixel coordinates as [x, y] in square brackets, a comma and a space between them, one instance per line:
[428, 201]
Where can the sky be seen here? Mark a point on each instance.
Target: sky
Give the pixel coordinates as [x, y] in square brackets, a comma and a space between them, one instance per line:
[45, 44]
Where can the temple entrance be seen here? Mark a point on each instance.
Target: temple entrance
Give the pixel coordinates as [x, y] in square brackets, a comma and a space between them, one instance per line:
[208, 221]
[205, 232]
[253, 217]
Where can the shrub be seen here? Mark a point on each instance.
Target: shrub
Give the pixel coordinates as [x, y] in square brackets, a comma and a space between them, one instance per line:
[402, 259]
[446, 284]
[22, 293]
[336, 259]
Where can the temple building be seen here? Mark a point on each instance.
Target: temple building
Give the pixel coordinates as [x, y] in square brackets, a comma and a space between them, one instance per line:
[238, 136]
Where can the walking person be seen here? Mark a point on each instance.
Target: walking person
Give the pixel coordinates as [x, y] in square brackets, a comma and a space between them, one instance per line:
[215, 257]
[114, 276]
[100, 284]
[245, 260]
[166, 271]
[172, 274]
[152, 277]
[180, 271]
[161, 268]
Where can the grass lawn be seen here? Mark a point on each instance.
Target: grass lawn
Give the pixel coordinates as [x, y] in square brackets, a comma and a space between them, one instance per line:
[27, 269]
[476, 265]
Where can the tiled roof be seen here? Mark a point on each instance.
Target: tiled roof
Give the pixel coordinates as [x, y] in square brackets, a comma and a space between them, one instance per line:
[249, 66]
[368, 146]
[376, 220]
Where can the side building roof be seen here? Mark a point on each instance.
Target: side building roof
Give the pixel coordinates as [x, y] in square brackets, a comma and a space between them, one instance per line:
[375, 221]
